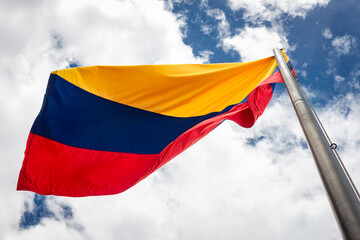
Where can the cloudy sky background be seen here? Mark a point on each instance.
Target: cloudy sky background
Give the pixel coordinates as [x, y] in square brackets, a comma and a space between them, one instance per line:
[258, 183]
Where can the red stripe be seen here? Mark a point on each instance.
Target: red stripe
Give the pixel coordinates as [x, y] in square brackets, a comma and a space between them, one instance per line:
[53, 168]
[276, 77]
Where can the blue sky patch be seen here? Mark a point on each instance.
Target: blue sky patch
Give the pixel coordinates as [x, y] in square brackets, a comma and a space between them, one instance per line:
[39, 211]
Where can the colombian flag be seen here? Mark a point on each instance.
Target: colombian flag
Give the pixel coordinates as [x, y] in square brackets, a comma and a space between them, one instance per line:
[103, 129]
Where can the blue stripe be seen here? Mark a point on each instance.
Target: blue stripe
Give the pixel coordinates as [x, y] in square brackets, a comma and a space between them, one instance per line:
[290, 66]
[75, 117]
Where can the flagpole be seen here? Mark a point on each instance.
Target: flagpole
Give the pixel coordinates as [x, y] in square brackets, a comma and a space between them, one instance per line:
[340, 191]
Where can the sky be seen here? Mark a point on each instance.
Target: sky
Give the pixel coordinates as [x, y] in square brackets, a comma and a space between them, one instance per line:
[236, 183]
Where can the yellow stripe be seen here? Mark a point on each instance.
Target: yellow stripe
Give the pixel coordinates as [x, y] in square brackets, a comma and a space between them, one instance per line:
[184, 90]
[285, 56]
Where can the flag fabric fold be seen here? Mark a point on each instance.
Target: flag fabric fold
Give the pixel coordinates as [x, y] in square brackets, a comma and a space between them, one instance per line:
[103, 129]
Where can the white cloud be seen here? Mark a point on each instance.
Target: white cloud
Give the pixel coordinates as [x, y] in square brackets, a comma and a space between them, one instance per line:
[96, 33]
[340, 118]
[327, 33]
[266, 11]
[49, 229]
[205, 56]
[338, 78]
[340, 46]
[223, 25]
[269, 10]
[355, 79]
[206, 29]
[204, 3]
[255, 42]
[303, 73]
[343, 45]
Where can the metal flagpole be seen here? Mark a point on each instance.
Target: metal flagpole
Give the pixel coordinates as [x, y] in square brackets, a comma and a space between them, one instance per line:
[340, 191]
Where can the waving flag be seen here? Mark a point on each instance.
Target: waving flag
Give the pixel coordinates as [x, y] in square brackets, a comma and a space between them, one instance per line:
[103, 129]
